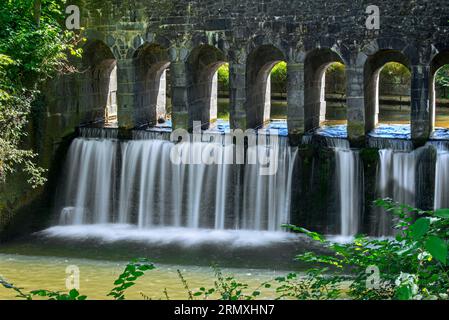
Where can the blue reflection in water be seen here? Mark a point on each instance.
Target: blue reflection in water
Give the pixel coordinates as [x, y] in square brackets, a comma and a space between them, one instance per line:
[333, 131]
[280, 125]
[273, 127]
[393, 131]
[440, 134]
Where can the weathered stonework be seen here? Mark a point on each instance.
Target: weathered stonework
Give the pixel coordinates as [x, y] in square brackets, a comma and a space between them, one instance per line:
[194, 37]
[306, 34]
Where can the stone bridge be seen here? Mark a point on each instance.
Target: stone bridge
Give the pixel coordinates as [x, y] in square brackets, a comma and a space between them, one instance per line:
[136, 40]
[143, 37]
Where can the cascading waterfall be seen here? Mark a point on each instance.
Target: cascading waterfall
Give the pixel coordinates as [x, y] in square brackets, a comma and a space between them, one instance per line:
[396, 180]
[441, 197]
[91, 182]
[136, 183]
[263, 203]
[400, 167]
[350, 181]
[442, 181]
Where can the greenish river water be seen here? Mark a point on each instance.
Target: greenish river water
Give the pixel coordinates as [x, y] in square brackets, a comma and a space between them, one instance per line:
[97, 277]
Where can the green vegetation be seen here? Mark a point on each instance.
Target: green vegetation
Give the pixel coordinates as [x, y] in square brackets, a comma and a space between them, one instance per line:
[412, 265]
[279, 78]
[223, 77]
[336, 78]
[394, 73]
[33, 48]
[442, 81]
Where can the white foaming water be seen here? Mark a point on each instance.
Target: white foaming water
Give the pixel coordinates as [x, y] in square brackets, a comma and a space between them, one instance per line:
[185, 237]
[350, 181]
[397, 172]
[135, 182]
[396, 180]
[442, 180]
[90, 182]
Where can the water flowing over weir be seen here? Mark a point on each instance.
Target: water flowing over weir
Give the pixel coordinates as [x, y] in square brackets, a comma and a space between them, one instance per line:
[133, 187]
[135, 183]
[441, 199]
[350, 180]
[442, 181]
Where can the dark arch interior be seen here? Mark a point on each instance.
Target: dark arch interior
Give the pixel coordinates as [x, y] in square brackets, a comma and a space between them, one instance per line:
[315, 66]
[372, 77]
[152, 86]
[202, 66]
[101, 83]
[259, 66]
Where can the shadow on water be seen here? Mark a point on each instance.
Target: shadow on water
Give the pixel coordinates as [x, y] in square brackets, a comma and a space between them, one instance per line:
[281, 253]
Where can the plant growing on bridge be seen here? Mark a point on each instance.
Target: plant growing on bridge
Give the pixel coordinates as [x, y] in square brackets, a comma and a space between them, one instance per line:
[33, 47]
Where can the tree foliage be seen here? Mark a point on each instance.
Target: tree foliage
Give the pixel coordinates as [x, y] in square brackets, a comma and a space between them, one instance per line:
[442, 80]
[33, 48]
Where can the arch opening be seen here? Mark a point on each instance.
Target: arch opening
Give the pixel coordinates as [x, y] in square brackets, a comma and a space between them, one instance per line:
[221, 83]
[439, 91]
[266, 85]
[335, 95]
[387, 86]
[153, 97]
[101, 84]
[204, 66]
[324, 89]
[278, 92]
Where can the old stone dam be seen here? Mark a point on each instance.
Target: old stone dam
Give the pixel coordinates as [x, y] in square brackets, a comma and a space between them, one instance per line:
[346, 115]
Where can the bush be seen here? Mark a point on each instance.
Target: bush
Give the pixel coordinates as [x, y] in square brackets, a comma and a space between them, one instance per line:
[279, 78]
[223, 77]
[413, 265]
[394, 73]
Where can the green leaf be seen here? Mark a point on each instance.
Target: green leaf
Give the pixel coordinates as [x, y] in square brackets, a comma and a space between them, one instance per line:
[404, 293]
[73, 293]
[442, 213]
[437, 248]
[420, 228]
[137, 274]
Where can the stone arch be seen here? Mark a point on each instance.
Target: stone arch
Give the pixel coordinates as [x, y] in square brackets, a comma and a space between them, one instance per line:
[438, 61]
[202, 65]
[151, 63]
[100, 81]
[315, 64]
[269, 40]
[259, 64]
[372, 67]
[210, 38]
